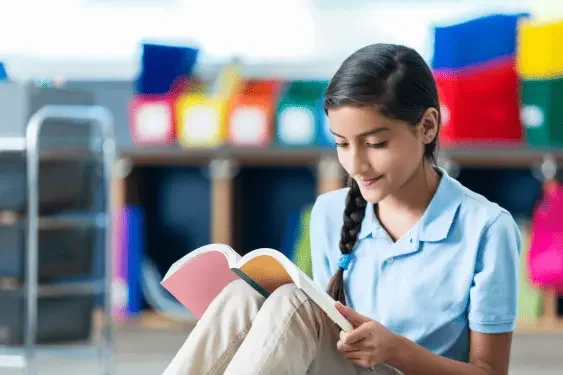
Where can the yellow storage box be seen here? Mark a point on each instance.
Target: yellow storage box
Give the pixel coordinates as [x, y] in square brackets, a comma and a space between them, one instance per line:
[201, 120]
[540, 49]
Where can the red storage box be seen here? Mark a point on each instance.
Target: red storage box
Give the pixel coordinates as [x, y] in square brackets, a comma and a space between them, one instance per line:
[480, 104]
[151, 119]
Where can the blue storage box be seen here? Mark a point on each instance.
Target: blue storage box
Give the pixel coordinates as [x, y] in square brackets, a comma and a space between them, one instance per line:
[162, 65]
[324, 137]
[475, 41]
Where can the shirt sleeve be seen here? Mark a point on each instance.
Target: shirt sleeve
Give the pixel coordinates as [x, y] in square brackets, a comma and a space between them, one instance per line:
[319, 244]
[493, 301]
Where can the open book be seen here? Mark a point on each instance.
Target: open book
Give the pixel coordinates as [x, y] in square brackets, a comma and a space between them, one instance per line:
[197, 278]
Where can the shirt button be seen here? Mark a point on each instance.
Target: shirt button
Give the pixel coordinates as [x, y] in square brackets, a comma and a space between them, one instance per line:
[390, 260]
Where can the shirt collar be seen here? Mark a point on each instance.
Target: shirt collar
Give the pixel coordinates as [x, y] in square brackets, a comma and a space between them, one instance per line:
[435, 223]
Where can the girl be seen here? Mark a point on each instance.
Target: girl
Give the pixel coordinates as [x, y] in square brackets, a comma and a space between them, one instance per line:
[425, 269]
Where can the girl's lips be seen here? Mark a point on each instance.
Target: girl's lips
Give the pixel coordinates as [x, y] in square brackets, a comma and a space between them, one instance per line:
[371, 181]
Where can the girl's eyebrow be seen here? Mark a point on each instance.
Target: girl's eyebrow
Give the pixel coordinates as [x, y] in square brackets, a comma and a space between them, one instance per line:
[366, 133]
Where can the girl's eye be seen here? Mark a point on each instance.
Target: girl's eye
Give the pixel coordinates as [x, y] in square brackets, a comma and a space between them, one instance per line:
[340, 144]
[377, 145]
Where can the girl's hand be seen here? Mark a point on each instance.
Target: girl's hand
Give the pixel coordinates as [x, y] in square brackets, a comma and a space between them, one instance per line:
[369, 344]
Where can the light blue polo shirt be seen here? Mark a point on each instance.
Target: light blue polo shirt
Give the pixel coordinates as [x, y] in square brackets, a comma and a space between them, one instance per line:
[456, 270]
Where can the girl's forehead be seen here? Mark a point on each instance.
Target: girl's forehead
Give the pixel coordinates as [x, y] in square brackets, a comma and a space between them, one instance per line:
[353, 122]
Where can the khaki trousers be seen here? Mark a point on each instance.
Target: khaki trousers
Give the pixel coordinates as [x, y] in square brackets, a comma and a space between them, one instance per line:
[243, 333]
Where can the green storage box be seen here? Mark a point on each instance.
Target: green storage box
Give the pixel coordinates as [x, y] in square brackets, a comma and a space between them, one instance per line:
[542, 112]
[299, 113]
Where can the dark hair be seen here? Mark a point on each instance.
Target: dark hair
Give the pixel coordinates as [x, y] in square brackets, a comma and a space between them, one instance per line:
[397, 81]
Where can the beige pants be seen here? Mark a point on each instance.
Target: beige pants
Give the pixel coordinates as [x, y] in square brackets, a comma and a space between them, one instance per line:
[243, 333]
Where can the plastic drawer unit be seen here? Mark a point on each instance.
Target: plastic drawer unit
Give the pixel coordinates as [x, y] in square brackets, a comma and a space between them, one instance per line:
[59, 318]
[63, 251]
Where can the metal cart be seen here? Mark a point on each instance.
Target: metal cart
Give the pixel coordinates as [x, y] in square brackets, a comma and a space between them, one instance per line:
[102, 150]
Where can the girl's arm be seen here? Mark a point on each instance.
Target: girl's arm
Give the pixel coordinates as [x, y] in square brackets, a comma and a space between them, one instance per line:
[489, 355]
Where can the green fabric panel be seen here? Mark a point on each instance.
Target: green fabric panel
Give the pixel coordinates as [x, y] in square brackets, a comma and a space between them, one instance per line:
[530, 299]
[303, 246]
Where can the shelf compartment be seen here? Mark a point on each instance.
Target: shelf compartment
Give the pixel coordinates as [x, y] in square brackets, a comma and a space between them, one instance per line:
[176, 203]
[265, 196]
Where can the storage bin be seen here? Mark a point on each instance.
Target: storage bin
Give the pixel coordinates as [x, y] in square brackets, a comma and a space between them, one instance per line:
[540, 49]
[252, 114]
[62, 252]
[201, 120]
[152, 119]
[59, 319]
[298, 114]
[480, 105]
[461, 45]
[163, 65]
[325, 138]
[542, 112]
[3, 74]
[63, 185]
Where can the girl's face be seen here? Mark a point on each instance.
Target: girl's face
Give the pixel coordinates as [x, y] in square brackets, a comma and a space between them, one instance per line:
[380, 153]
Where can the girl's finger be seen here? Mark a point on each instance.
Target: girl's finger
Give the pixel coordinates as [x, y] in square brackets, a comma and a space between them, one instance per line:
[343, 347]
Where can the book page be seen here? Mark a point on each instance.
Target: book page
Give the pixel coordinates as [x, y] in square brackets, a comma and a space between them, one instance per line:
[268, 268]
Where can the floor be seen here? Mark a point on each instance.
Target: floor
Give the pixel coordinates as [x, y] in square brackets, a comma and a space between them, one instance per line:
[142, 351]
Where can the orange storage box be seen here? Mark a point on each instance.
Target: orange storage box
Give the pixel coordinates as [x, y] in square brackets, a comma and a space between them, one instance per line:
[252, 114]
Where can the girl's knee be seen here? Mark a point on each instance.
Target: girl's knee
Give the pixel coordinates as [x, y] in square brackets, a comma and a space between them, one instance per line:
[237, 293]
[288, 291]
[240, 288]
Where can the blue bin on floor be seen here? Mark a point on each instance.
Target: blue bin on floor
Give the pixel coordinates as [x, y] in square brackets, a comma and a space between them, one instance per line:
[476, 41]
[3, 74]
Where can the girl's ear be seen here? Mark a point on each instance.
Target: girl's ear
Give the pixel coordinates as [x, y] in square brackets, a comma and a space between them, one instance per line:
[429, 125]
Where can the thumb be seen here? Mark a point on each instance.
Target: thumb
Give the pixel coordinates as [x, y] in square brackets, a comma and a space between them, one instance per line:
[353, 317]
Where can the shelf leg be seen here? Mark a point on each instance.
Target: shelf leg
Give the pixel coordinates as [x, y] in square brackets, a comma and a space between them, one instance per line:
[222, 172]
[550, 301]
[330, 175]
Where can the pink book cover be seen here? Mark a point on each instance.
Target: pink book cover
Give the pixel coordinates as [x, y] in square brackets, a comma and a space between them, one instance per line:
[198, 281]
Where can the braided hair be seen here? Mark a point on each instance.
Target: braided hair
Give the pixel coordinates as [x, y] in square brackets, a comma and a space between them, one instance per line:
[354, 212]
[397, 81]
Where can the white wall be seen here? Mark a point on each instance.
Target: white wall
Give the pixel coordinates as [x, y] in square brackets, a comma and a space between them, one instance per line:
[89, 39]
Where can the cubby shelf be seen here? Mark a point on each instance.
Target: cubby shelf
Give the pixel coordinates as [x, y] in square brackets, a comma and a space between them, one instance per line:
[222, 165]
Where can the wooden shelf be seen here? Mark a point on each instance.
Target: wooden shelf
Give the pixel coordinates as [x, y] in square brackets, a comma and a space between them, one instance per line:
[146, 320]
[537, 326]
[488, 156]
[153, 320]
[243, 156]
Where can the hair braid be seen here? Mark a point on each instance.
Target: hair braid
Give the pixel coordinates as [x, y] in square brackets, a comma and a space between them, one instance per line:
[353, 215]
